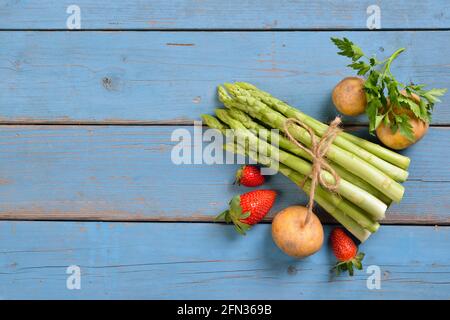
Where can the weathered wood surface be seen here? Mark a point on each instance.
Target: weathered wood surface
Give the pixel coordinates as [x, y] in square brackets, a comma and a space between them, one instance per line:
[126, 173]
[68, 172]
[170, 77]
[209, 261]
[204, 15]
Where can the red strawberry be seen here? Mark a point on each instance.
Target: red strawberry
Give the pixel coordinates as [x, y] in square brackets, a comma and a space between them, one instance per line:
[248, 209]
[249, 176]
[345, 251]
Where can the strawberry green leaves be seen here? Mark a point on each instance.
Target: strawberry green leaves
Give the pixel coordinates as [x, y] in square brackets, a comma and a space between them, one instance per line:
[234, 215]
[385, 95]
[349, 266]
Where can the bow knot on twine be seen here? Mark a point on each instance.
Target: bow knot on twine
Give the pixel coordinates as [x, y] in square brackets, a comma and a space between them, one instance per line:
[317, 151]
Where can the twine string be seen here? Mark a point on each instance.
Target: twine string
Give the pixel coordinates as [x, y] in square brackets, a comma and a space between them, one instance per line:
[317, 151]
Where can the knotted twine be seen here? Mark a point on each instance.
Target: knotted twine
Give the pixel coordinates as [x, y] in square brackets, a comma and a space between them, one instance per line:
[317, 151]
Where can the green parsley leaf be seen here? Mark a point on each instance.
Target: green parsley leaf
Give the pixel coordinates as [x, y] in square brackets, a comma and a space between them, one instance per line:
[433, 94]
[410, 104]
[360, 66]
[405, 126]
[383, 91]
[348, 48]
[372, 111]
[378, 119]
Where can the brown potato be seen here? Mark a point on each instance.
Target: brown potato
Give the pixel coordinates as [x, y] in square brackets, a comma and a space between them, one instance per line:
[349, 96]
[396, 140]
[293, 237]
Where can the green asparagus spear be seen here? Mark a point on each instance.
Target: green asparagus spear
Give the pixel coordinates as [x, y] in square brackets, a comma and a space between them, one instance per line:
[371, 152]
[289, 146]
[343, 211]
[339, 208]
[354, 164]
[372, 205]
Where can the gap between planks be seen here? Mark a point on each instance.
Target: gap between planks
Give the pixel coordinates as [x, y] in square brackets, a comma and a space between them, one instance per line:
[145, 123]
[226, 30]
[396, 220]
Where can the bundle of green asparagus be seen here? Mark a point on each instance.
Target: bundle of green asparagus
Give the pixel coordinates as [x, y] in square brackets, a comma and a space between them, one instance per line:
[370, 174]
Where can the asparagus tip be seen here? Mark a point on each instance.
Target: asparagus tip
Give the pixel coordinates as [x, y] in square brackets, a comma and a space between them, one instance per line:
[220, 112]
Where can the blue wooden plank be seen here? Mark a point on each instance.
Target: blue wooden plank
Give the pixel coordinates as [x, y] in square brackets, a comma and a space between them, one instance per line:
[209, 261]
[126, 173]
[251, 14]
[171, 77]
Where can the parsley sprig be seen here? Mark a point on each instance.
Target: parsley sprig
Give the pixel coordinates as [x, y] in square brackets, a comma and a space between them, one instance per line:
[383, 91]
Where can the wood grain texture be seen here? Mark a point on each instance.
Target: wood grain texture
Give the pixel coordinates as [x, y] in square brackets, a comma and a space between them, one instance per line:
[247, 14]
[209, 261]
[171, 77]
[126, 173]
